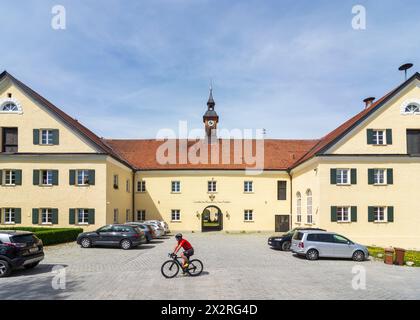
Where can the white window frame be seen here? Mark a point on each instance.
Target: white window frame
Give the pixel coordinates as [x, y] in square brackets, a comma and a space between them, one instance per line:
[376, 214]
[408, 103]
[340, 176]
[212, 186]
[341, 212]
[309, 207]
[298, 207]
[7, 101]
[116, 215]
[141, 215]
[84, 176]
[248, 215]
[116, 181]
[176, 186]
[376, 175]
[127, 215]
[9, 216]
[49, 176]
[141, 186]
[175, 215]
[47, 214]
[84, 215]
[9, 176]
[377, 134]
[248, 186]
[49, 137]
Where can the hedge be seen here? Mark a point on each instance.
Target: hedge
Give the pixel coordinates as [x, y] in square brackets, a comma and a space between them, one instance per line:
[50, 236]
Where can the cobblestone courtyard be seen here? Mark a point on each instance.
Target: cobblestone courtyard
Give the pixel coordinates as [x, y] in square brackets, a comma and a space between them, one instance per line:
[235, 267]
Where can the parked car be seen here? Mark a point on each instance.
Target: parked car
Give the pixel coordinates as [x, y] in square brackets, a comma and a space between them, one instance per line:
[316, 244]
[19, 249]
[161, 223]
[114, 235]
[159, 231]
[148, 230]
[284, 241]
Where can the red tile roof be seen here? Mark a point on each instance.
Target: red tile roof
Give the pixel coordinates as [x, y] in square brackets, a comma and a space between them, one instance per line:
[278, 154]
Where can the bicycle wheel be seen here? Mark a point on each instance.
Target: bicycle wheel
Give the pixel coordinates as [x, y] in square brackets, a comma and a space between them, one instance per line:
[170, 269]
[195, 268]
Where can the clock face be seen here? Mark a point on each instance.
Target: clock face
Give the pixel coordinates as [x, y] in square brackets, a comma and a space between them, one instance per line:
[210, 123]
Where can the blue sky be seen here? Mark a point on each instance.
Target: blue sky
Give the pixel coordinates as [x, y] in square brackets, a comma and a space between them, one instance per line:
[129, 68]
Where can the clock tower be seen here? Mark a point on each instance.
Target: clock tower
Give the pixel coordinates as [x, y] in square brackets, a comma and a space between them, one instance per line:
[210, 118]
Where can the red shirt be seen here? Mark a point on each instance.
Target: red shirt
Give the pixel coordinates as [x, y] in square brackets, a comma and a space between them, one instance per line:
[185, 244]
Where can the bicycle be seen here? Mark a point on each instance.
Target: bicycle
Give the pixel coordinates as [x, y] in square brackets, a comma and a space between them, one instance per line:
[170, 268]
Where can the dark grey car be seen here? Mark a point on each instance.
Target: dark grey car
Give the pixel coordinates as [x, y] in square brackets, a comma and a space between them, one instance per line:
[113, 235]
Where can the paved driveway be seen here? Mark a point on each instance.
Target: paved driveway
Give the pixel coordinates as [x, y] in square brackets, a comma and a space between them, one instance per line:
[236, 267]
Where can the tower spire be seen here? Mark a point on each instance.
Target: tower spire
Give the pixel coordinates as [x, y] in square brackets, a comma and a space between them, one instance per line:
[210, 102]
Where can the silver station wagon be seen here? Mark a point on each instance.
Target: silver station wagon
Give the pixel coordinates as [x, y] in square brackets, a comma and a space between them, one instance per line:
[316, 244]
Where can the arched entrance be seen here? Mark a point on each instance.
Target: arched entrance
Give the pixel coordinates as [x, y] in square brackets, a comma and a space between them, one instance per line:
[211, 219]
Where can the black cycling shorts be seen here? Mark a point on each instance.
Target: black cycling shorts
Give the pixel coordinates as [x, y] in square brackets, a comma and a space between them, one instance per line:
[188, 253]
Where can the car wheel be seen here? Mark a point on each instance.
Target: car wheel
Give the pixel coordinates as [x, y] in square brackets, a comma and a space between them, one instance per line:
[286, 246]
[31, 265]
[86, 243]
[312, 254]
[125, 244]
[5, 269]
[358, 256]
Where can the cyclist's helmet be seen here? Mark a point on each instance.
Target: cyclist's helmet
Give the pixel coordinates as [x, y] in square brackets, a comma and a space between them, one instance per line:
[178, 236]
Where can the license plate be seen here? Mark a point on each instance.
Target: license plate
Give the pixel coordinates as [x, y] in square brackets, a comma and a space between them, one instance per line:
[32, 250]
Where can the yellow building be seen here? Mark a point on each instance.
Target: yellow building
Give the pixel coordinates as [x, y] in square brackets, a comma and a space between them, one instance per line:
[360, 180]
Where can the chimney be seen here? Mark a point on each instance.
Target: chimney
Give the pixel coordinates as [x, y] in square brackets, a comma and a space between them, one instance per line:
[368, 102]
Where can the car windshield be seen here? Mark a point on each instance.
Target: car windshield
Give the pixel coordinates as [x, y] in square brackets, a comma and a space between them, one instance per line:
[22, 238]
[290, 232]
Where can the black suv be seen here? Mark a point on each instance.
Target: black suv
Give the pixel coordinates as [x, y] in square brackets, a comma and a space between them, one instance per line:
[284, 241]
[113, 235]
[19, 249]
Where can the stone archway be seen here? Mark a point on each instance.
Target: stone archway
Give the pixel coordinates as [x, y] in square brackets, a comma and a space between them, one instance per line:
[211, 219]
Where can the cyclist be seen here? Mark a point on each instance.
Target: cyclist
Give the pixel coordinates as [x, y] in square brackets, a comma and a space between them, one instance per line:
[188, 249]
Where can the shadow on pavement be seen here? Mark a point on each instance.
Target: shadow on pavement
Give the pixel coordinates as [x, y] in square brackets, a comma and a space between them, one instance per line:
[40, 269]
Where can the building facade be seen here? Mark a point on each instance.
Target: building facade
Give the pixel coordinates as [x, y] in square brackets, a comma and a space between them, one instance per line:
[360, 180]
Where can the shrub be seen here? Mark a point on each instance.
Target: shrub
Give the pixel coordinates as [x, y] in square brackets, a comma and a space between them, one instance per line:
[50, 236]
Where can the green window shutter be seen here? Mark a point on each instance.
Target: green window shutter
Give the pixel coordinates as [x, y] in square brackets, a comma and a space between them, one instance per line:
[334, 214]
[72, 216]
[18, 216]
[1, 214]
[1, 177]
[18, 177]
[36, 136]
[91, 216]
[369, 136]
[333, 176]
[54, 216]
[371, 179]
[353, 175]
[371, 217]
[72, 177]
[55, 177]
[92, 177]
[390, 212]
[35, 216]
[388, 136]
[55, 136]
[353, 214]
[389, 176]
[36, 178]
